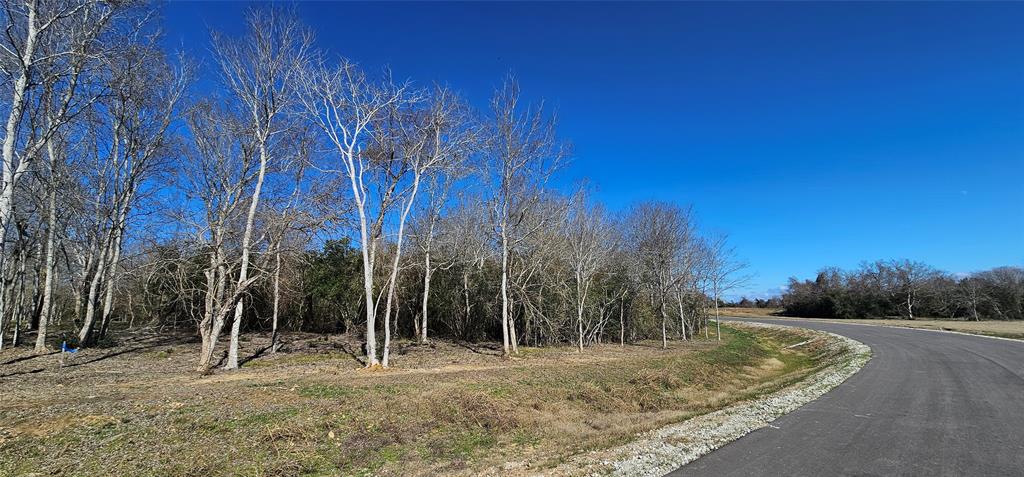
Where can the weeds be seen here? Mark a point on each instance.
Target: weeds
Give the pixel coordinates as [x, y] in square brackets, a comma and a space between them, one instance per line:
[302, 415]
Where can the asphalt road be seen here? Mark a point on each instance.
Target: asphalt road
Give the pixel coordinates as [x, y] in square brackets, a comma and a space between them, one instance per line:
[927, 403]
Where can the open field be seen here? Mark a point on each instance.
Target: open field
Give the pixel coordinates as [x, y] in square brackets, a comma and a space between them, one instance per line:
[1003, 329]
[750, 312]
[453, 408]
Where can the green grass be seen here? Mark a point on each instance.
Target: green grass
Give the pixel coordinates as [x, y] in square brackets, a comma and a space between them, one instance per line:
[327, 391]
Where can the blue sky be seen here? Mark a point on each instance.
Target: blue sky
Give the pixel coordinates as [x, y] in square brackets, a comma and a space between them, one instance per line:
[812, 133]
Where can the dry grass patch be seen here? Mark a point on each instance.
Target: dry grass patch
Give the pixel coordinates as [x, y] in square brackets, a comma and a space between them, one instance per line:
[751, 312]
[447, 408]
[1002, 329]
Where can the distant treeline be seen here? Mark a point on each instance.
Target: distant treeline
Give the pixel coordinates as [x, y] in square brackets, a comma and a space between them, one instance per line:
[907, 289]
[744, 302]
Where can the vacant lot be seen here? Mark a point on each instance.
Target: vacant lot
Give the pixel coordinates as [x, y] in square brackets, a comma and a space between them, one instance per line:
[446, 408]
[1004, 329]
[751, 312]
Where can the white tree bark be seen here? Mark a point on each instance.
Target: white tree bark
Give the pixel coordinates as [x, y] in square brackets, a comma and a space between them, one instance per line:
[48, 267]
[243, 273]
[427, 271]
[504, 294]
[277, 300]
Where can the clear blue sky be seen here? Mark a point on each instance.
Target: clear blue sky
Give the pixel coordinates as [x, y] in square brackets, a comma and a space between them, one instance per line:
[814, 134]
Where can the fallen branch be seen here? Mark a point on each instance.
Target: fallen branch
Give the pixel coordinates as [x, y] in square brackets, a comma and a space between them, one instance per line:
[801, 343]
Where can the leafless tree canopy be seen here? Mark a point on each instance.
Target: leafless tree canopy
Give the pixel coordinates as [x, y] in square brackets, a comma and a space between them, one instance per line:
[297, 190]
[908, 289]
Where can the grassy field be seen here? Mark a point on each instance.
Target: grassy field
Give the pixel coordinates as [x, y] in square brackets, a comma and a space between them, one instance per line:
[1003, 329]
[750, 312]
[446, 408]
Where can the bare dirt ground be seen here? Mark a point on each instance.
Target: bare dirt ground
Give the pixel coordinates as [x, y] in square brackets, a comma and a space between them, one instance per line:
[1003, 329]
[310, 409]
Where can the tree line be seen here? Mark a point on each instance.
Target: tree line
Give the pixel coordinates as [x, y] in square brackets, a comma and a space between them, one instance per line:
[280, 187]
[910, 290]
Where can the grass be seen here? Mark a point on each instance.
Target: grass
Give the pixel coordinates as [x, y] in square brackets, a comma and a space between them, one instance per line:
[1002, 329]
[444, 409]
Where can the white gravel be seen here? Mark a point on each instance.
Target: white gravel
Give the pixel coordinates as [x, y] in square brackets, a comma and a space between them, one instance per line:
[660, 451]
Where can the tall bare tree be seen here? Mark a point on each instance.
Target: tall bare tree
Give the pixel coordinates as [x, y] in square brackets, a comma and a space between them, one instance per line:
[522, 151]
[221, 167]
[261, 71]
[135, 116]
[590, 244]
[348, 107]
[432, 139]
[658, 235]
[724, 272]
[46, 56]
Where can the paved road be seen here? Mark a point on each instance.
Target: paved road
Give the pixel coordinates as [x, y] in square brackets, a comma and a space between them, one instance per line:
[927, 403]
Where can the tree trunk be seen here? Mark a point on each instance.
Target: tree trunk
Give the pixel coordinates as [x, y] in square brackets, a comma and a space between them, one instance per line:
[277, 299]
[682, 316]
[37, 299]
[108, 301]
[386, 352]
[243, 274]
[205, 325]
[371, 307]
[426, 297]
[19, 298]
[622, 324]
[213, 319]
[465, 293]
[85, 335]
[513, 336]
[393, 281]
[579, 321]
[14, 116]
[504, 294]
[664, 327]
[51, 220]
[718, 321]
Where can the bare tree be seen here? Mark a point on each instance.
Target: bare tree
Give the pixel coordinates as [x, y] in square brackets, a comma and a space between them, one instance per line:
[657, 240]
[47, 56]
[220, 169]
[590, 244]
[453, 137]
[912, 280]
[136, 113]
[522, 152]
[432, 140]
[49, 269]
[723, 270]
[429, 224]
[261, 72]
[347, 107]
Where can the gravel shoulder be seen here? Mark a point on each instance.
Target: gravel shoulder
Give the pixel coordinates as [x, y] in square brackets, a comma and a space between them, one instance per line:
[663, 450]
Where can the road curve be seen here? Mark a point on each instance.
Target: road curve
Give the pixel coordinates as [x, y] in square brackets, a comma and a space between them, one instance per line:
[928, 403]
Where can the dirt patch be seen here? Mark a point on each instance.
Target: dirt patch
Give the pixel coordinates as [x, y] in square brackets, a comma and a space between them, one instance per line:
[49, 427]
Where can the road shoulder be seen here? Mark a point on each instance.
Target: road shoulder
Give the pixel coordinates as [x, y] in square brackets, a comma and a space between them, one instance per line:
[663, 450]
